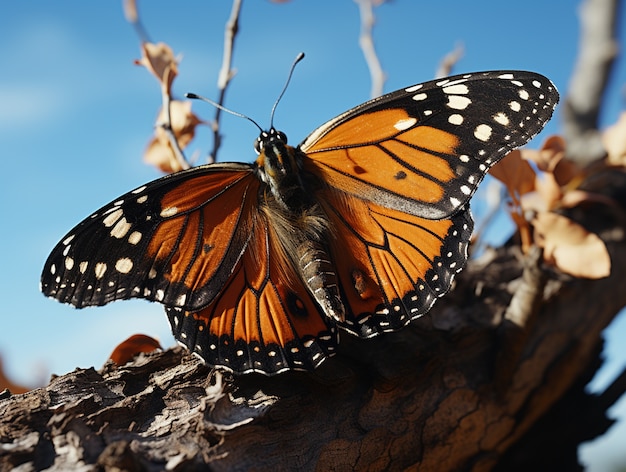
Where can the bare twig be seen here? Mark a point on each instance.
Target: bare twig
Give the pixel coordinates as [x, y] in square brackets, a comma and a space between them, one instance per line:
[132, 16]
[366, 9]
[226, 73]
[598, 49]
[167, 128]
[449, 61]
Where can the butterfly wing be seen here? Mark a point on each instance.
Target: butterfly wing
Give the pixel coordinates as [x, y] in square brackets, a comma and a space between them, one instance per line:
[264, 320]
[398, 173]
[175, 240]
[392, 265]
[198, 241]
[423, 150]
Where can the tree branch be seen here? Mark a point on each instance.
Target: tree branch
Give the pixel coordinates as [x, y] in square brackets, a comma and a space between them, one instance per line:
[226, 74]
[597, 53]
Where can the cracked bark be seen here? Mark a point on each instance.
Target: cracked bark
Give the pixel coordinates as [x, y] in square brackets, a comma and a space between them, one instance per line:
[450, 392]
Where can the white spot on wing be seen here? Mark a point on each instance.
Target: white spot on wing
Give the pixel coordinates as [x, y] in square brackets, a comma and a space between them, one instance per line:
[169, 211]
[455, 119]
[459, 89]
[501, 118]
[458, 103]
[82, 267]
[134, 237]
[414, 88]
[69, 263]
[419, 97]
[139, 190]
[112, 218]
[120, 229]
[483, 132]
[515, 106]
[404, 124]
[124, 265]
[100, 269]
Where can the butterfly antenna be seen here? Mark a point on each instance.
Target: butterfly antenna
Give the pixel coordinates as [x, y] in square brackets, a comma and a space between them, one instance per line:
[299, 57]
[194, 96]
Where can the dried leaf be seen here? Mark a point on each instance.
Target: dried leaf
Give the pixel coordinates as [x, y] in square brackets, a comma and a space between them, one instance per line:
[131, 347]
[570, 247]
[160, 61]
[614, 140]
[546, 158]
[515, 173]
[183, 125]
[549, 191]
[183, 122]
[160, 155]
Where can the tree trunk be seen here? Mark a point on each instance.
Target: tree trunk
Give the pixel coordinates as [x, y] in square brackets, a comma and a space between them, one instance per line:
[456, 390]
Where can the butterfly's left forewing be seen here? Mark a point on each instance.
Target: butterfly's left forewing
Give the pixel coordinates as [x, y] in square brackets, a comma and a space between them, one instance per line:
[423, 150]
[175, 241]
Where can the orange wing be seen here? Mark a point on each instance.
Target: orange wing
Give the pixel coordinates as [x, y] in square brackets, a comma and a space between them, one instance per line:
[175, 240]
[261, 321]
[398, 172]
[392, 265]
[423, 150]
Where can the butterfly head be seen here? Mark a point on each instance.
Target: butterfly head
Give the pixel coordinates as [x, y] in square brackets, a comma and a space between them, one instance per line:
[269, 138]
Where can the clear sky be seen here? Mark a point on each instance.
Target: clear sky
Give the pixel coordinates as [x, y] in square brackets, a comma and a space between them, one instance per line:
[76, 114]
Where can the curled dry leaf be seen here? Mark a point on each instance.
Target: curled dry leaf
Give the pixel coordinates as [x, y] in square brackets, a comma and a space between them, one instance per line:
[183, 125]
[131, 347]
[160, 61]
[515, 172]
[570, 247]
[614, 140]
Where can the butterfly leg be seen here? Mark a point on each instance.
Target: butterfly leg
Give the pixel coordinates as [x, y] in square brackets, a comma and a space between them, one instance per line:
[320, 278]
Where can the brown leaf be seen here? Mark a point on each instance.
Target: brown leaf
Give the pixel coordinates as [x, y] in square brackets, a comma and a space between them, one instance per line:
[549, 190]
[515, 173]
[160, 155]
[131, 347]
[183, 122]
[183, 125]
[570, 247]
[160, 61]
[614, 140]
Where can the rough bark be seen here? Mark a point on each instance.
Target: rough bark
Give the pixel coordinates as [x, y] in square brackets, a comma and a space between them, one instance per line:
[457, 390]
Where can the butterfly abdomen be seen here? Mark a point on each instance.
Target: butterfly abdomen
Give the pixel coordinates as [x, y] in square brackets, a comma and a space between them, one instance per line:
[298, 223]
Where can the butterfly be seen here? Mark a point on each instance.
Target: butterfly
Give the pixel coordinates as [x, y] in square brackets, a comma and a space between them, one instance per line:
[360, 228]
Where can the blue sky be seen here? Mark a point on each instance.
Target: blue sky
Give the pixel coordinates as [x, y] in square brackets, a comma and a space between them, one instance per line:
[76, 114]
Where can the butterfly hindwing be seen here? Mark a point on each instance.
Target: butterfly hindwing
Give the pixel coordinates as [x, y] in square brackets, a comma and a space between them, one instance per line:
[424, 149]
[392, 265]
[260, 322]
[175, 241]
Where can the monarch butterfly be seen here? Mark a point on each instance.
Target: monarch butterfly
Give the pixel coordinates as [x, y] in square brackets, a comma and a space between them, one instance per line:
[360, 228]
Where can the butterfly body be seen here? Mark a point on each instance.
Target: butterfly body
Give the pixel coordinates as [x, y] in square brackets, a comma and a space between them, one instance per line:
[301, 228]
[359, 228]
